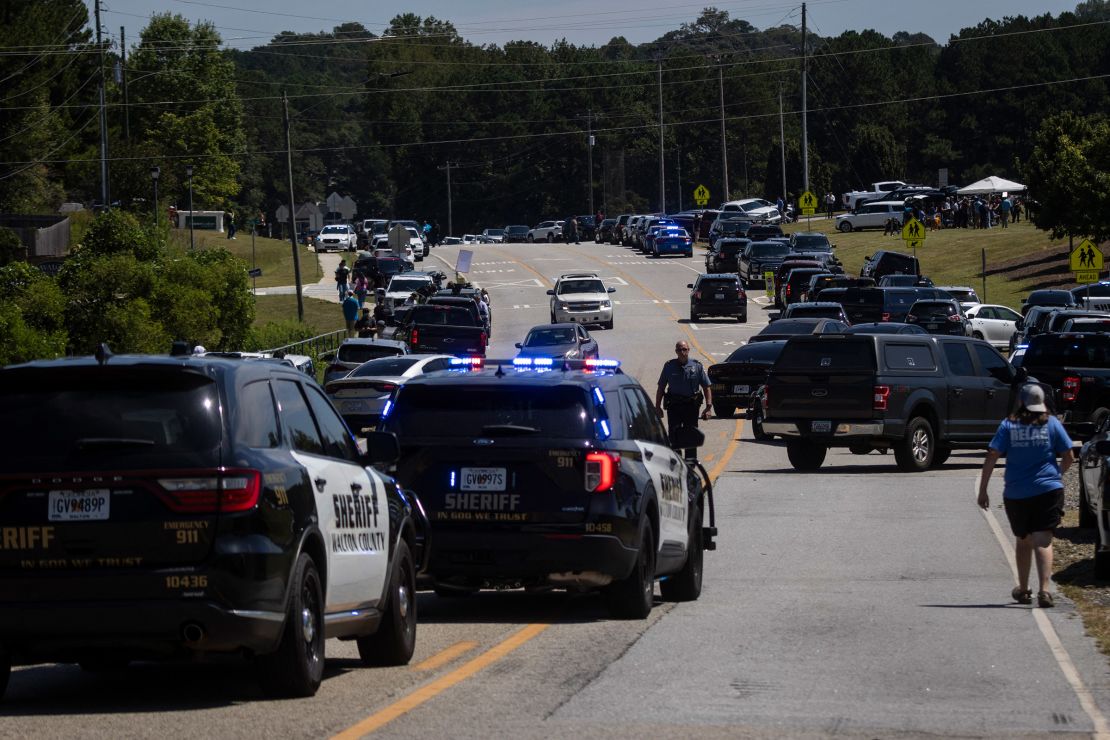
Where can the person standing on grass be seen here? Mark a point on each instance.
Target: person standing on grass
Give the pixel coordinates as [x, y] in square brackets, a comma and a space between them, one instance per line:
[350, 312]
[1033, 493]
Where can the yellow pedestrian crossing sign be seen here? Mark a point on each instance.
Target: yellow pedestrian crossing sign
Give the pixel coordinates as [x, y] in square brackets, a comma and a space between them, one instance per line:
[1086, 258]
[913, 233]
[807, 203]
[701, 195]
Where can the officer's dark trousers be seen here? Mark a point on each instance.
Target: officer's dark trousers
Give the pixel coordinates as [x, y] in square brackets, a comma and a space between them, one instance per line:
[683, 414]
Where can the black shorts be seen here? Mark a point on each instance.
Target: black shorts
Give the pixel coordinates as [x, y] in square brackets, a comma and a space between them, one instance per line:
[1041, 513]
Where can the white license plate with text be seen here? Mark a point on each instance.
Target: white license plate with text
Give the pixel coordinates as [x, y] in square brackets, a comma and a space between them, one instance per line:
[78, 506]
[741, 388]
[482, 479]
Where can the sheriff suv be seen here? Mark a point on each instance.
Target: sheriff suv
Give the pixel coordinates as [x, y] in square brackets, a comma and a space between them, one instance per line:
[583, 298]
[171, 507]
[552, 473]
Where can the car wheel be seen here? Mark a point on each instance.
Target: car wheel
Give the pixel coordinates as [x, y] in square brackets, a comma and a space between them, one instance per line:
[1102, 563]
[742, 318]
[550, 238]
[1087, 518]
[914, 452]
[940, 457]
[297, 666]
[977, 334]
[633, 597]
[844, 227]
[685, 585]
[723, 410]
[529, 239]
[805, 455]
[608, 324]
[757, 423]
[395, 640]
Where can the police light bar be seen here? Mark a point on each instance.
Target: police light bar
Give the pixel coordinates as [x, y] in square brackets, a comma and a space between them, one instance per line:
[533, 362]
[466, 362]
[596, 364]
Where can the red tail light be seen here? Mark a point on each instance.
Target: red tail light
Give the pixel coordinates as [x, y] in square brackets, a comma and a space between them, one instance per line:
[697, 294]
[886, 317]
[601, 471]
[788, 289]
[414, 337]
[1071, 388]
[482, 340]
[955, 318]
[882, 395]
[211, 491]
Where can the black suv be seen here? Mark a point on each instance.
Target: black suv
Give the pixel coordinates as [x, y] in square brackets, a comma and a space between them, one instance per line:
[939, 317]
[759, 258]
[921, 396]
[889, 263]
[168, 507]
[725, 254]
[718, 295]
[541, 475]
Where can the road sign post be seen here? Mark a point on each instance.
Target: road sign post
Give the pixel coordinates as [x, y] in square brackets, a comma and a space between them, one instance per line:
[807, 202]
[913, 234]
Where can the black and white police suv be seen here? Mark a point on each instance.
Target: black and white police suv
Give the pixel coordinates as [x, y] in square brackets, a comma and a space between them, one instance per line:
[538, 472]
[160, 507]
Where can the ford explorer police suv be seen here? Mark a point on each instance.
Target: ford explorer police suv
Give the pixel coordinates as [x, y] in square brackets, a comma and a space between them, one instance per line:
[542, 472]
[163, 507]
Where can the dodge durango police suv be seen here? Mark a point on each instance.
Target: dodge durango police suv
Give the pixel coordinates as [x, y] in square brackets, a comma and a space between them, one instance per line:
[539, 472]
[163, 507]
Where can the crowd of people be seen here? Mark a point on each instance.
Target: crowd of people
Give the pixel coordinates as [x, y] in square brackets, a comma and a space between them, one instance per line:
[962, 212]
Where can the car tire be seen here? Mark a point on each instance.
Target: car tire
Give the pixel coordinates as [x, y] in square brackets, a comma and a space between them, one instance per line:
[914, 452]
[693, 315]
[757, 423]
[1102, 563]
[742, 318]
[805, 455]
[1087, 518]
[553, 321]
[633, 596]
[609, 324]
[395, 640]
[723, 410]
[844, 227]
[296, 668]
[685, 585]
[529, 239]
[550, 238]
[941, 455]
[977, 334]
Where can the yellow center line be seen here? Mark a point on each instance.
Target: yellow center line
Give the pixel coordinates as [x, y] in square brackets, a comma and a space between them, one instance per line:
[726, 456]
[429, 691]
[445, 656]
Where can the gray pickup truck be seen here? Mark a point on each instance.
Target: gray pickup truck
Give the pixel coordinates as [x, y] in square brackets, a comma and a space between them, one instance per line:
[451, 330]
[921, 396]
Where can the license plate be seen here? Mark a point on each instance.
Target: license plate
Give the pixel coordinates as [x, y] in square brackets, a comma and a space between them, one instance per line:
[932, 326]
[352, 406]
[820, 426]
[482, 479]
[78, 506]
[741, 388]
[719, 296]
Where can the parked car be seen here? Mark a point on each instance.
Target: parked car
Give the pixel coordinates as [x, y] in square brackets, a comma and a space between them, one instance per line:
[727, 225]
[353, 352]
[718, 295]
[965, 294]
[545, 231]
[757, 209]
[994, 323]
[558, 341]
[796, 281]
[724, 256]
[810, 241]
[361, 396]
[671, 240]
[337, 238]
[758, 258]
[885, 327]
[604, 234]
[1094, 503]
[873, 215]
[939, 317]
[736, 379]
[763, 232]
[516, 234]
[885, 262]
[1059, 298]
[492, 236]
[815, 310]
[786, 328]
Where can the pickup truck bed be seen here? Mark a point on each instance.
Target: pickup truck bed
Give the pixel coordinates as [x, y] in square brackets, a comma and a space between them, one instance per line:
[430, 328]
[1077, 367]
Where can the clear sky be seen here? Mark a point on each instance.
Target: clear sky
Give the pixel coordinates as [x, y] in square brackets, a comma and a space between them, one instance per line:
[247, 23]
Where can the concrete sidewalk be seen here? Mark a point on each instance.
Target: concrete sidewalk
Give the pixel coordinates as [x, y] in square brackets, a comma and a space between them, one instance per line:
[324, 289]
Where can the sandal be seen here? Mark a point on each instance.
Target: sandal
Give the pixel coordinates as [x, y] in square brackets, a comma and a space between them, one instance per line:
[1022, 596]
[1044, 600]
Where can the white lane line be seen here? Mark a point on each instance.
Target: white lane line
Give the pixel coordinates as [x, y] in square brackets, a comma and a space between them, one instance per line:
[1059, 652]
[525, 305]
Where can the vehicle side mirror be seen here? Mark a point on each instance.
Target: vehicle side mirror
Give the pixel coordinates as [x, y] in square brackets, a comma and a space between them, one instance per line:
[612, 290]
[685, 437]
[381, 448]
[551, 292]
[689, 285]
[518, 345]
[1102, 447]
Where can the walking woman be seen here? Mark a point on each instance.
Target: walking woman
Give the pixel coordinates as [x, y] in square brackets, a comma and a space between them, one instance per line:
[1033, 494]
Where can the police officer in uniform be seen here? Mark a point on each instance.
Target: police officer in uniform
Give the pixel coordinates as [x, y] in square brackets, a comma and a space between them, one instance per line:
[682, 384]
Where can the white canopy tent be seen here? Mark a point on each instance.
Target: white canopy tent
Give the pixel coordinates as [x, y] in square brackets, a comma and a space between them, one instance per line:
[992, 184]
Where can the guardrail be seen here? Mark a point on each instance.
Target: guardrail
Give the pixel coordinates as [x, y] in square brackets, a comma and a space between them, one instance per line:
[313, 346]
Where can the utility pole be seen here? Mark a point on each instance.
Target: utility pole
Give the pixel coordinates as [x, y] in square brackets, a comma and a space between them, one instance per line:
[678, 171]
[292, 207]
[590, 157]
[123, 78]
[782, 140]
[805, 136]
[450, 223]
[724, 145]
[662, 176]
[104, 192]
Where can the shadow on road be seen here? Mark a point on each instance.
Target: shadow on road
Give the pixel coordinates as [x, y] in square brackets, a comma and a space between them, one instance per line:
[513, 607]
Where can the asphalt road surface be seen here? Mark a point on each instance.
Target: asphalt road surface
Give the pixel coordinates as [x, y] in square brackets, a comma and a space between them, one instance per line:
[859, 601]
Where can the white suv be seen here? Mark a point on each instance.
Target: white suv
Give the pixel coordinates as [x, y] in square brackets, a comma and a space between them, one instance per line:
[581, 297]
[546, 231]
[871, 215]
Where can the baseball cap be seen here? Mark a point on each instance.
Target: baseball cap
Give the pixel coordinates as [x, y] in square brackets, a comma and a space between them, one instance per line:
[1032, 398]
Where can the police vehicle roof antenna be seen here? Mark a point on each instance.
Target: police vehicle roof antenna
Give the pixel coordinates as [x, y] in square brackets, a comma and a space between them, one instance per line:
[102, 353]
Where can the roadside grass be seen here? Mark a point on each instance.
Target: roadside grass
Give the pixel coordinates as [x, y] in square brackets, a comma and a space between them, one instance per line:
[1019, 259]
[1074, 567]
[274, 256]
[321, 316]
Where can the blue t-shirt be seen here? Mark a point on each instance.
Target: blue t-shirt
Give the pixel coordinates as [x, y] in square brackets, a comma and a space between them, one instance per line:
[1030, 451]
